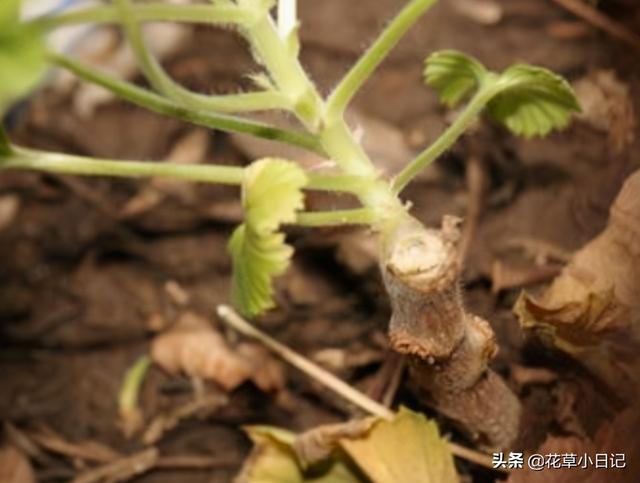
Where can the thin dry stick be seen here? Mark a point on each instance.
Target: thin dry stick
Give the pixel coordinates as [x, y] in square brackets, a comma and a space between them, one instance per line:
[121, 469]
[231, 318]
[476, 187]
[601, 21]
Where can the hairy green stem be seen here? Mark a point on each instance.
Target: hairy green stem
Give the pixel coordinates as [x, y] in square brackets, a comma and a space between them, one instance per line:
[362, 70]
[285, 69]
[448, 138]
[163, 83]
[358, 216]
[153, 102]
[336, 138]
[23, 158]
[154, 12]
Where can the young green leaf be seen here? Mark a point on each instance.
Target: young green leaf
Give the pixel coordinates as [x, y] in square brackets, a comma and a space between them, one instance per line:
[22, 54]
[528, 100]
[533, 101]
[454, 75]
[271, 196]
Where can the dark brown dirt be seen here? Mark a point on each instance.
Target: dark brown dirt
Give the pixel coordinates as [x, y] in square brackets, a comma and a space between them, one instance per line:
[78, 285]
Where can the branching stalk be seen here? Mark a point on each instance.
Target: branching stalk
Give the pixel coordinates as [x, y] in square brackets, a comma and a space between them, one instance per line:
[153, 102]
[362, 70]
[164, 84]
[289, 76]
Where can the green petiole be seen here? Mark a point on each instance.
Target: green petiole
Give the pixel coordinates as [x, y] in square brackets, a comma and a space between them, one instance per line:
[154, 102]
[255, 101]
[23, 158]
[358, 216]
[468, 116]
[362, 70]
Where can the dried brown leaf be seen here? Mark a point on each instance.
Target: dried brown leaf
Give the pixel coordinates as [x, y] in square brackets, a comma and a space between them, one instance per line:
[193, 347]
[15, 467]
[608, 106]
[190, 149]
[317, 444]
[592, 309]
[9, 206]
[614, 438]
[484, 12]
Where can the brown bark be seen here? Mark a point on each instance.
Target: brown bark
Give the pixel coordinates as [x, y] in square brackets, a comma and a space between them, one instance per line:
[448, 348]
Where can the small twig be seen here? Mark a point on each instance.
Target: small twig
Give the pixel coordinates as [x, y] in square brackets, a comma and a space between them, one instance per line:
[121, 469]
[476, 178]
[601, 21]
[394, 382]
[195, 462]
[387, 379]
[24, 443]
[231, 318]
[87, 450]
[168, 421]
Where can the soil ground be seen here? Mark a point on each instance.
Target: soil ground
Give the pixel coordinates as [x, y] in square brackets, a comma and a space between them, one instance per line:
[79, 284]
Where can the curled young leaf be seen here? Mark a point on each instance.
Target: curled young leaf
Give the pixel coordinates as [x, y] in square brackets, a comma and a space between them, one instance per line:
[453, 75]
[22, 54]
[533, 101]
[271, 196]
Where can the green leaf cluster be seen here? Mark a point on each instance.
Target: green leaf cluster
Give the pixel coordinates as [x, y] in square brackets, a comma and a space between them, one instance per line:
[271, 196]
[528, 100]
[22, 54]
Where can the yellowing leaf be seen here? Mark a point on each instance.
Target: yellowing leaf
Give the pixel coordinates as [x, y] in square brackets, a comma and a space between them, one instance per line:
[273, 460]
[409, 448]
[533, 102]
[453, 75]
[272, 194]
